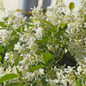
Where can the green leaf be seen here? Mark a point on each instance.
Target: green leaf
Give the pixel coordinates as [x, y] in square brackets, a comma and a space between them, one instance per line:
[85, 17]
[17, 61]
[27, 50]
[19, 73]
[44, 83]
[2, 24]
[18, 29]
[60, 32]
[0, 57]
[71, 6]
[14, 84]
[6, 18]
[14, 33]
[33, 68]
[50, 25]
[8, 77]
[47, 57]
[39, 52]
[44, 40]
[78, 82]
[81, 81]
[1, 50]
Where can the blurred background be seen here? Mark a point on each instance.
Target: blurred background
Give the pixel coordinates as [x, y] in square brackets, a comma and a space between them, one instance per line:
[15, 4]
[25, 5]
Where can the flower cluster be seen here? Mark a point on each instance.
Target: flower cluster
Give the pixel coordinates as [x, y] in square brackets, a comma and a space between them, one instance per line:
[47, 50]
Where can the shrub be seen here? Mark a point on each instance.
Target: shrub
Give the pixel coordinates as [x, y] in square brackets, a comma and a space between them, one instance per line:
[48, 50]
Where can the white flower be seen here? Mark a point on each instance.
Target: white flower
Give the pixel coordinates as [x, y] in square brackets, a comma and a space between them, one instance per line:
[18, 47]
[70, 69]
[55, 81]
[64, 82]
[10, 21]
[39, 32]
[66, 50]
[1, 71]
[41, 71]
[5, 36]
[7, 55]
[25, 28]
[50, 47]
[79, 69]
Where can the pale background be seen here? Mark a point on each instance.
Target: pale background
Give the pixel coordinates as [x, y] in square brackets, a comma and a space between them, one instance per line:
[13, 4]
[10, 4]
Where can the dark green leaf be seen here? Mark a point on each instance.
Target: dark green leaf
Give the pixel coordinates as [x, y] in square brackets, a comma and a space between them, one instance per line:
[0, 57]
[8, 77]
[1, 50]
[14, 84]
[44, 83]
[85, 18]
[60, 33]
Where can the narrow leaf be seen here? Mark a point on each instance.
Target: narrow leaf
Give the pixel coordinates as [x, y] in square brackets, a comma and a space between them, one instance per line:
[33, 68]
[51, 26]
[14, 84]
[0, 57]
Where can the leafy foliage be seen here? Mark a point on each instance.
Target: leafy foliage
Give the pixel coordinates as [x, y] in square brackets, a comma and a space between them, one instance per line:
[47, 50]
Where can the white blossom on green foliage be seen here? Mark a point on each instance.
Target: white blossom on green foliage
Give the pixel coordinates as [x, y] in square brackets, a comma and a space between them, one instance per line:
[47, 50]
